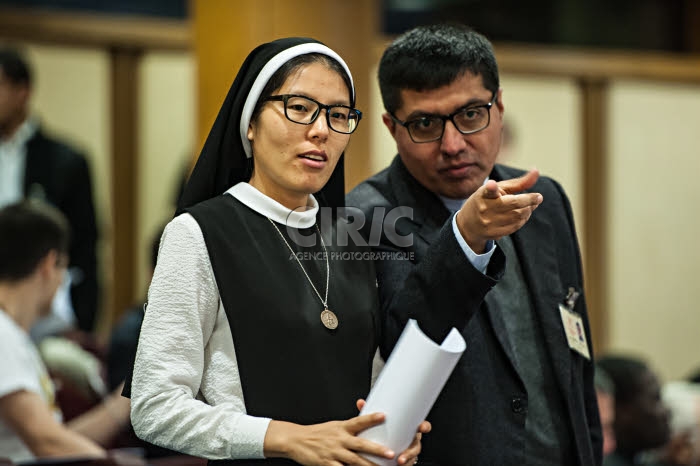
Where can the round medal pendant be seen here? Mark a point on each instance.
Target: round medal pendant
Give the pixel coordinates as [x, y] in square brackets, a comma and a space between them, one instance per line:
[329, 319]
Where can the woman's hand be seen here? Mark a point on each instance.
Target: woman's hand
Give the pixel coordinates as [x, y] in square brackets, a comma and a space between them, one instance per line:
[410, 455]
[332, 443]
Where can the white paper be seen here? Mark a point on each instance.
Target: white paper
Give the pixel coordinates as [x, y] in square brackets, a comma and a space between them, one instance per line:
[407, 387]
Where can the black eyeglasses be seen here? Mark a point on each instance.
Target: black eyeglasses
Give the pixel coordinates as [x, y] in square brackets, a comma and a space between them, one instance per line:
[304, 110]
[467, 120]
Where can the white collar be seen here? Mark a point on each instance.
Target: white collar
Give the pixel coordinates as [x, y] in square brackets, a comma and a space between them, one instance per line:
[23, 134]
[272, 209]
[453, 205]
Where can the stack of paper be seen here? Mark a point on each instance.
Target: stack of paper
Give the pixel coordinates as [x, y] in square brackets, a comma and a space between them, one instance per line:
[408, 386]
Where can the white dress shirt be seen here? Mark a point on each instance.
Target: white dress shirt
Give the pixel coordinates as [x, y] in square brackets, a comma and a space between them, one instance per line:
[13, 159]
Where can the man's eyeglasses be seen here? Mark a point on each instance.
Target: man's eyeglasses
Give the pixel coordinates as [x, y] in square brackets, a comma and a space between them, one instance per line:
[304, 110]
[467, 120]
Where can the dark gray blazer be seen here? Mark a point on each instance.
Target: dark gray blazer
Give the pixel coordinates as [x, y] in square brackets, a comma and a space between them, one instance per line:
[58, 174]
[440, 289]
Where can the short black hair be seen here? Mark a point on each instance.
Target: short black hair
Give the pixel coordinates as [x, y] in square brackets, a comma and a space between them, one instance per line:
[602, 381]
[430, 57]
[626, 373]
[694, 376]
[15, 67]
[29, 230]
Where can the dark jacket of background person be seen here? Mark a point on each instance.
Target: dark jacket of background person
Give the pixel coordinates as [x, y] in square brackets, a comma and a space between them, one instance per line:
[59, 175]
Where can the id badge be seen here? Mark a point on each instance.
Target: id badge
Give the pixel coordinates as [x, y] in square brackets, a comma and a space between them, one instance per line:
[575, 333]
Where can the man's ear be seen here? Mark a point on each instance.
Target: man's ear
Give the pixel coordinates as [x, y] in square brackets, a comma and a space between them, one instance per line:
[47, 264]
[389, 123]
[499, 102]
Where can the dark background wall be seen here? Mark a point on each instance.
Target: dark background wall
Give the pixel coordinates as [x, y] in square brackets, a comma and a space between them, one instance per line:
[663, 25]
[160, 8]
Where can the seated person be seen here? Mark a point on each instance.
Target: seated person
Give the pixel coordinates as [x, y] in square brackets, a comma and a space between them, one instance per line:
[34, 240]
[683, 399]
[605, 393]
[642, 421]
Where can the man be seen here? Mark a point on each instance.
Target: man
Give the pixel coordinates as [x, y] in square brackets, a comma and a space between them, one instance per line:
[605, 393]
[642, 421]
[505, 269]
[33, 165]
[33, 257]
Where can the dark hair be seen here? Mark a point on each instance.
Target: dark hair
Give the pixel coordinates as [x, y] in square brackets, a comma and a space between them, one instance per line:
[626, 374]
[430, 57]
[280, 76]
[694, 377]
[15, 67]
[29, 230]
[602, 381]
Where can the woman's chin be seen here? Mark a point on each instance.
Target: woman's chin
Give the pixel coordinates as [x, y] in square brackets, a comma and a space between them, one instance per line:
[312, 186]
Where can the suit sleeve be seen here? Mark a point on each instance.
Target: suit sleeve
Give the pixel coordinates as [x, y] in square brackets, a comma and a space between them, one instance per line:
[79, 208]
[440, 289]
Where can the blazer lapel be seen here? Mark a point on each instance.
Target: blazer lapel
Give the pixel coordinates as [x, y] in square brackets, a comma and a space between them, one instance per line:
[429, 213]
[499, 328]
[534, 244]
[37, 171]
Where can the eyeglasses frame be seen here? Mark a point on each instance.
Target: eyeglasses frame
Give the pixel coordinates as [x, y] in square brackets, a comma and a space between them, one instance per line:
[285, 97]
[449, 117]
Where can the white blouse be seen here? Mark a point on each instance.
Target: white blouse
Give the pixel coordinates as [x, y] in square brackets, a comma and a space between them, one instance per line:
[186, 391]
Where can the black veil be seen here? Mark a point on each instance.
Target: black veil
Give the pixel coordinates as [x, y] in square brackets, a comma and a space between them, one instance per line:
[223, 161]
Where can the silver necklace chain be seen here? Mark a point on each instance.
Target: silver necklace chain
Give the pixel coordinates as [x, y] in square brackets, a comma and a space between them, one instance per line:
[325, 253]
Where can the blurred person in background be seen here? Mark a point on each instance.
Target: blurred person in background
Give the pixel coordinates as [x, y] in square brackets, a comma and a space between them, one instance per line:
[683, 399]
[642, 420]
[35, 165]
[605, 393]
[34, 239]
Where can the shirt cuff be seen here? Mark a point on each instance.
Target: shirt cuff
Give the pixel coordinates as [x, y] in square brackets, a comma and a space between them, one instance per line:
[479, 261]
[251, 443]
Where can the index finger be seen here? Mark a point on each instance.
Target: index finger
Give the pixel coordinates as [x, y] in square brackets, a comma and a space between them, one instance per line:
[515, 185]
[359, 423]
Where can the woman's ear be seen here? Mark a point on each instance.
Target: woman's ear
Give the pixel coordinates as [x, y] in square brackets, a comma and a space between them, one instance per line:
[250, 132]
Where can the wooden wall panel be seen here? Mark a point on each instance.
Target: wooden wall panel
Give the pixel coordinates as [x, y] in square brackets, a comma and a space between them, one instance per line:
[225, 32]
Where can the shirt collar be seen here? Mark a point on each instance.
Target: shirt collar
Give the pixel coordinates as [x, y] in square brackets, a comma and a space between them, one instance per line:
[453, 205]
[23, 134]
[272, 209]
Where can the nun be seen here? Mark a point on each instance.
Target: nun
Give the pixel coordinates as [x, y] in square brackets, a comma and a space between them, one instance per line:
[258, 339]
